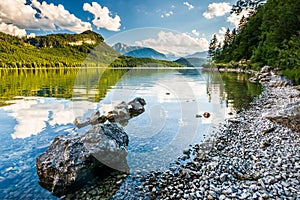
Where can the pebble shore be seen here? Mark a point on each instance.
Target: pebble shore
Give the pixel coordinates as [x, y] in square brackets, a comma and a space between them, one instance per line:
[251, 157]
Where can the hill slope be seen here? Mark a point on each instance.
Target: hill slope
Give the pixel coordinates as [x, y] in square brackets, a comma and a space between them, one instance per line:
[65, 50]
[57, 50]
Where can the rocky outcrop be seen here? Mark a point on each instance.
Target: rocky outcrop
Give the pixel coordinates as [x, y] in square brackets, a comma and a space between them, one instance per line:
[73, 159]
[269, 75]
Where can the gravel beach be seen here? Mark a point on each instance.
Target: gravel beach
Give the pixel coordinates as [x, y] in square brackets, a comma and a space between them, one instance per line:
[254, 155]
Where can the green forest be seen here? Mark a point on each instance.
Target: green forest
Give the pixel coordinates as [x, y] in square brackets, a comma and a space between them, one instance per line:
[269, 36]
[65, 50]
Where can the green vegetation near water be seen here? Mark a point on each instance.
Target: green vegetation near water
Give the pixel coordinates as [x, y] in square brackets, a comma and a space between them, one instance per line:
[59, 83]
[271, 36]
[65, 51]
[127, 61]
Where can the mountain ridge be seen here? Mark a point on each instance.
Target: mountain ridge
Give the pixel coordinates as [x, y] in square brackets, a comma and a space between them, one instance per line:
[138, 51]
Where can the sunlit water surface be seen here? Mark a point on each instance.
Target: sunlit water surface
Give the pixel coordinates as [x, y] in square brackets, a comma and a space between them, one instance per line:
[39, 105]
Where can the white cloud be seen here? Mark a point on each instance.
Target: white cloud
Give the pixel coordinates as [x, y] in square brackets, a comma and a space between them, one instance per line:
[40, 16]
[190, 6]
[179, 44]
[167, 14]
[195, 32]
[221, 34]
[235, 18]
[102, 17]
[59, 16]
[217, 9]
[12, 29]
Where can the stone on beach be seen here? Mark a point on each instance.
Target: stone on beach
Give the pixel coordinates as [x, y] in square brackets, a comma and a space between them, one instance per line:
[250, 156]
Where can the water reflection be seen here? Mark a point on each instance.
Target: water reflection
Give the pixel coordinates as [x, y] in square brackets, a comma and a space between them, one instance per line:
[42, 104]
[33, 114]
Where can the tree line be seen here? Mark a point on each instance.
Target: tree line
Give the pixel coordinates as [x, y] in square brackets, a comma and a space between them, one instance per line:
[269, 36]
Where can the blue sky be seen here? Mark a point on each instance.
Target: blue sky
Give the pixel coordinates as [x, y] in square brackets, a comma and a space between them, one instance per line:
[194, 20]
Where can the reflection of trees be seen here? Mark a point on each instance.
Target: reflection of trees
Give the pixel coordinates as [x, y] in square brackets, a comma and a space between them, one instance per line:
[214, 85]
[232, 88]
[55, 82]
[239, 90]
[92, 83]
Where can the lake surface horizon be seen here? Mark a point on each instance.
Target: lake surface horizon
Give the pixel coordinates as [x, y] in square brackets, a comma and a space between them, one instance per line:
[37, 105]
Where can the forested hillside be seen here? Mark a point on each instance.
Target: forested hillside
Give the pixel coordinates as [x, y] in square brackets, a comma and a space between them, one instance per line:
[271, 36]
[56, 50]
[65, 50]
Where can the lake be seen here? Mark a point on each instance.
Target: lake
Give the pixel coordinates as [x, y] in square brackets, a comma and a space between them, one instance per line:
[37, 105]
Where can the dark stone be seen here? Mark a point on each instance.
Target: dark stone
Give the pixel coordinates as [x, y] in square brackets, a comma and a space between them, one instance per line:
[97, 118]
[72, 159]
[136, 106]
[206, 114]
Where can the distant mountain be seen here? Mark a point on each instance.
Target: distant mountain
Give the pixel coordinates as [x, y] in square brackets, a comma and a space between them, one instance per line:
[197, 62]
[138, 52]
[191, 62]
[124, 48]
[146, 53]
[202, 54]
[184, 61]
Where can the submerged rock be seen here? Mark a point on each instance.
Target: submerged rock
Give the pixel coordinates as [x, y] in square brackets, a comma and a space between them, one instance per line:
[71, 159]
[121, 114]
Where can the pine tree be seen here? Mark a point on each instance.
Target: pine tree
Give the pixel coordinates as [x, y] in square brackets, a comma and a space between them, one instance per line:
[212, 47]
[227, 39]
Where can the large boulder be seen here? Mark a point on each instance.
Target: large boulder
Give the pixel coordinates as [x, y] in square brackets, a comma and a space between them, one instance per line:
[73, 159]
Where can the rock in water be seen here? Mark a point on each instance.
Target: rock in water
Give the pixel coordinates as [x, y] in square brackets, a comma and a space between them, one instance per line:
[136, 106]
[121, 114]
[71, 159]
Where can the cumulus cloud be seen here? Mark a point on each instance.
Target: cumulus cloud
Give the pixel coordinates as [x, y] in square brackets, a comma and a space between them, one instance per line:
[40, 16]
[102, 17]
[190, 6]
[195, 32]
[12, 29]
[179, 44]
[217, 9]
[59, 16]
[221, 34]
[236, 18]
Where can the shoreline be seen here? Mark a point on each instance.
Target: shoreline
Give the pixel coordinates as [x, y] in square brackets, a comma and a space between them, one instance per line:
[253, 155]
[235, 70]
